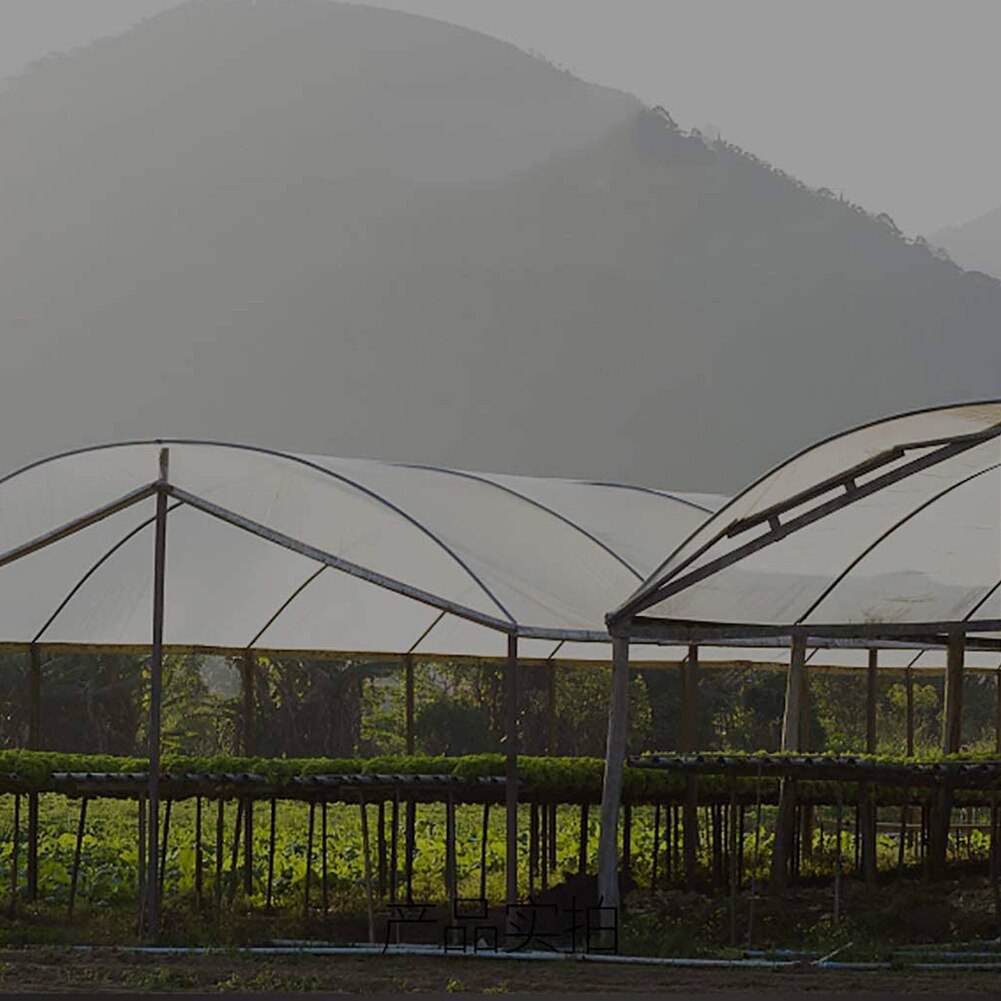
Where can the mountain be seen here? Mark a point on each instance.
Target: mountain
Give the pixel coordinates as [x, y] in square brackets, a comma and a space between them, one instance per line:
[976, 244]
[359, 232]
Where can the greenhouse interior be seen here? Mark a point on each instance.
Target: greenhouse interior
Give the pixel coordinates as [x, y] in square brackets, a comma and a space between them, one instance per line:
[241, 682]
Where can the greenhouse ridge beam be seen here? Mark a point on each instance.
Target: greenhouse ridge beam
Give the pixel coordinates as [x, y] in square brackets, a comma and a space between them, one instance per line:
[78, 524]
[946, 449]
[353, 569]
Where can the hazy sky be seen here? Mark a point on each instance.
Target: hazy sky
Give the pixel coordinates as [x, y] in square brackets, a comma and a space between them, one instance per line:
[893, 102]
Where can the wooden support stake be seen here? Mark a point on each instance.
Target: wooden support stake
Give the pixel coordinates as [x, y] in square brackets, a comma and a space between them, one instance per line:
[837, 858]
[553, 828]
[15, 845]
[74, 874]
[733, 860]
[309, 859]
[234, 868]
[220, 817]
[656, 848]
[755, 861]
[323, 859]
[544, 841]
[141, 874]
[370, 905]
[533, 846]
[615, 759]
[483, 851]
[740, 847]
[995, 863]
[409, 847]
[902, 844]
[199, 860]
[271, 853]
[451, 875]
[582, 852]
[627, 839]
[248, 846]
[511, 772]
[867, 825]
[381, 847]
[394, 842]
[163, 848]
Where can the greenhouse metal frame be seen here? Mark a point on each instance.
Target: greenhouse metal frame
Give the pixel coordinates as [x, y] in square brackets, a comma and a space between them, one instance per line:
[885, 535]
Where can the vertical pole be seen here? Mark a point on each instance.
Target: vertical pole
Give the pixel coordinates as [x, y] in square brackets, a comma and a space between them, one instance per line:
[867, 803]
[325, 895]
[941, 813]
[199, 859]
[271, 853]
[74, 874]
[551, 710]
[909, 691]
[794, 691]
[220, 818]
[309, 858]
[656, 848]
[249, 743]
[408, 671]
[369, 903]
[611, 791]
[953, 710]
[34, 744]
[511, 771]
[997, 711]
[15, 843]
[484, 834]
[380, 841]
[155, 699]
[249, 750]
[804, 711]
[451, 880]
[394, 842]
[689, 738]
[141, 874]
[870, 702]
[785, 818]
[732, 843]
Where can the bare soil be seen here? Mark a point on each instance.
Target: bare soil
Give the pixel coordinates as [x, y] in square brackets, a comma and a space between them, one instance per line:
[53, 970]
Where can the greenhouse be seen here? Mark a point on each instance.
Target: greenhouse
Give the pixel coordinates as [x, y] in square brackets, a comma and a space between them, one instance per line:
[241, 551]
[885, 536]
[174, 548]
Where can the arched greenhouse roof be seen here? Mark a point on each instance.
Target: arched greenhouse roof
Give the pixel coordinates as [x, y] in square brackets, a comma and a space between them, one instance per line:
[889, 531]
[275, 551]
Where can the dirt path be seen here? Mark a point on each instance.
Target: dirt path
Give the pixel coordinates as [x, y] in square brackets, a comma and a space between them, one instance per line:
[39, 970]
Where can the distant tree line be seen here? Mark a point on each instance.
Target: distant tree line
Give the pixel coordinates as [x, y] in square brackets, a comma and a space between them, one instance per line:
[99, 703]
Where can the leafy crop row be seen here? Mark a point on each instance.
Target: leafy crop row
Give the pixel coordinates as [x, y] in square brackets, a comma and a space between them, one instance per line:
[567, 779]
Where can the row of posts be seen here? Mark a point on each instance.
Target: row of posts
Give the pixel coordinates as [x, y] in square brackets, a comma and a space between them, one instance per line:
[794, 738]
